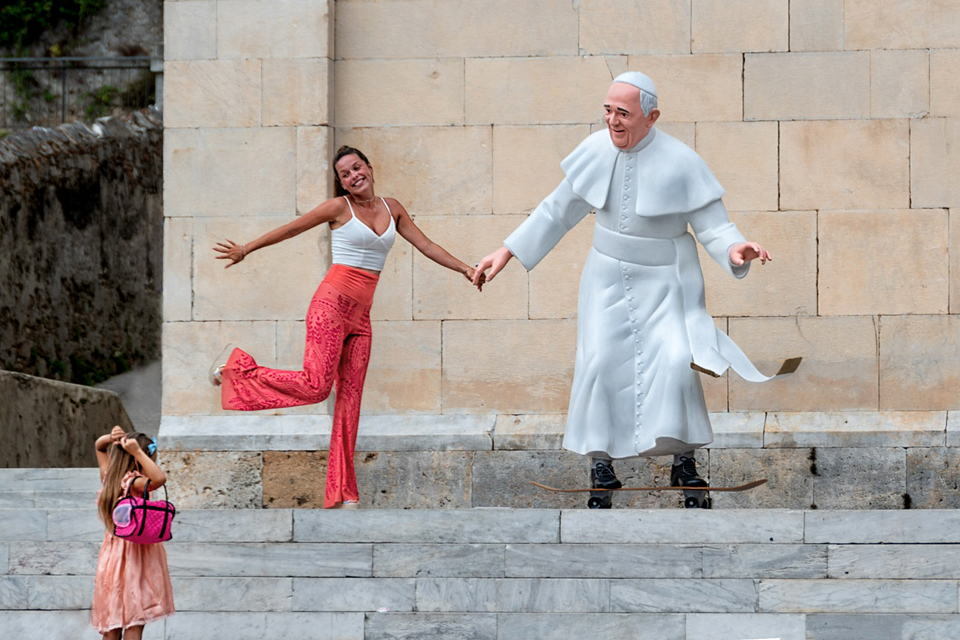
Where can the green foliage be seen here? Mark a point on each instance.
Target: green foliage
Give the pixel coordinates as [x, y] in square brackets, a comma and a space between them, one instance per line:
[23, 21]
[100, 101]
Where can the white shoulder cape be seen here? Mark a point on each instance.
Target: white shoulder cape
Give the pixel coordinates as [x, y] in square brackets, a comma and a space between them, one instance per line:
[671, 177]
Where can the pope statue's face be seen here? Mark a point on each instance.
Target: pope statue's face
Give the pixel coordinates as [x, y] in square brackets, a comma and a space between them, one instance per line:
[625, 120]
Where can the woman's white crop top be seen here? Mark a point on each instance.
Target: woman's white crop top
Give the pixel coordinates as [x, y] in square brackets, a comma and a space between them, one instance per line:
[357, 245]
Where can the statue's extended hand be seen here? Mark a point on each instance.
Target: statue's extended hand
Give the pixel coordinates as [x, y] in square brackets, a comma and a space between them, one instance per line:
[744, 252]
[495, 262]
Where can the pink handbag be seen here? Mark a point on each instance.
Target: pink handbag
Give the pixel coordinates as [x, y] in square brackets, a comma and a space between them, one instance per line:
[142, 520]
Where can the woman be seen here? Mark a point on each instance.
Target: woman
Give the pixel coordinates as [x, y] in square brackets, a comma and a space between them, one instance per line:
[363, 228]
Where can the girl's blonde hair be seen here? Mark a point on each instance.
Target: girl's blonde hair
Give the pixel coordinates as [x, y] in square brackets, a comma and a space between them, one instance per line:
[119, 464]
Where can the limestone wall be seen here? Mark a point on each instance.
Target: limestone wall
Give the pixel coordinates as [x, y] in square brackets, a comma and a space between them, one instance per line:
[80, 251]
[833, 125]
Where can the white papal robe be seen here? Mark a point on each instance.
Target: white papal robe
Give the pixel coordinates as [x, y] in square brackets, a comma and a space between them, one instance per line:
[642, 319]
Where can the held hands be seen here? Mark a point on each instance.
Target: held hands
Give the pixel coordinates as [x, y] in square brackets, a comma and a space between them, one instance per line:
[495, 262]
[231, 251]
[470, 274]
[744, 252]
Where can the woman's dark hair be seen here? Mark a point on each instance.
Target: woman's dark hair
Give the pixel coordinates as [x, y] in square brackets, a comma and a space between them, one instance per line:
[341, 152]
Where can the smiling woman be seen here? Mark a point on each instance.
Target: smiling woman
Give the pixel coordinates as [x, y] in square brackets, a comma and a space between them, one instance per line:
[363, 229]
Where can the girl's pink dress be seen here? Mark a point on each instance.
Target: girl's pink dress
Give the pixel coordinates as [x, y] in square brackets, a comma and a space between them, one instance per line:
[132, 585]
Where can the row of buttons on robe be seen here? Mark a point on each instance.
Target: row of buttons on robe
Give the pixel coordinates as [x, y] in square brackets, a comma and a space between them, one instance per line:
[630, 158]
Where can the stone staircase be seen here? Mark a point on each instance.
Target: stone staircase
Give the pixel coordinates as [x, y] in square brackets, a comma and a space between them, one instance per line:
[494, 573]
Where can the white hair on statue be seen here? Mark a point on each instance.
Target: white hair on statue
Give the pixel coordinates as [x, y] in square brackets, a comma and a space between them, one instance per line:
[648, 102]
[648, 91]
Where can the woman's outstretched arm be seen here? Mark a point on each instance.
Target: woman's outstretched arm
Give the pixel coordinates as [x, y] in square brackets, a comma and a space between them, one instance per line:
[327, 211]
[412, 234]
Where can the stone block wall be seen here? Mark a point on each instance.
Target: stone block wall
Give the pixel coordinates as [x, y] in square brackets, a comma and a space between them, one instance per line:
[832, 125]
[81, 258]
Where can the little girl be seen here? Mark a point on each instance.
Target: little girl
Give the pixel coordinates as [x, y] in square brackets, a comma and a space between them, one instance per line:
[132, 584]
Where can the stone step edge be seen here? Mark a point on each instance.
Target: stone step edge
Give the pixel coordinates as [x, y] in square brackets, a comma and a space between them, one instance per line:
[503, 432]
[508, 526]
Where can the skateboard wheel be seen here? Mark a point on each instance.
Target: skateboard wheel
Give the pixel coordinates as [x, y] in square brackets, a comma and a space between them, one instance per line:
[691, 503]
[595, 503]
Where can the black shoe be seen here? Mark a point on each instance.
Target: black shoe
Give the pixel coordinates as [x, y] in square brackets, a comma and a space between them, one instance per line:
[603, 477]
[685, 474]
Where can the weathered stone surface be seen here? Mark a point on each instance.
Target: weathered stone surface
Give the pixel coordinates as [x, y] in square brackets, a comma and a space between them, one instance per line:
[859, 478]
[612, 27]
[435, 28]
[882, 627]
[178, 269]
[269, 560]
[526, 163]
[603, 561]
[900, 562]
[944, 95]
[765, 561]
[232, 525]
[190, 30]
[212, 93]
[67, 624]
[232, 594]
[404, 372]
[529, 431]
[954, 261]
[267, 285]
[900, 84]
[743, 157]
[887, 527]
[441, 294]
[353, 594]
[800, 86]
[75, 525]
[737, 430]
[847, 164]
[314, 173]
[901, 24]
[54, 558]
[30, 524]
[86, 479]
[933, 477]
[553, 596]
[297, 92]
[919, 362]
[699, 88]
[386, 480]
[438, 561]
[855, 429]
[252, 432]
[953, 428]
[858, 596]
[699, 526]
[694, 596]
[14, 592]
[280, 29]
[437, 595]
[253, 626]
[863, 278]
[530, 78]
[736, 626]
[785, 286]
[214, 479]
[502, 479]
[934, 155]
[722, 26]
[58, 593]
[394, 299]
[461, 526]
[430, 626]
[409, 92]
[789, 481]
[816, 25]
[535, 381]
[430, 170]
[47, 423]
[207, 171]
[838, 372]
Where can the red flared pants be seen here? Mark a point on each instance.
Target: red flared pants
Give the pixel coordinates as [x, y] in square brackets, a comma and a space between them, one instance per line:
[337, 352]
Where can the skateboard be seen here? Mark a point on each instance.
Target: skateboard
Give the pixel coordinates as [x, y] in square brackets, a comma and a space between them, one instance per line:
[597, 501]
